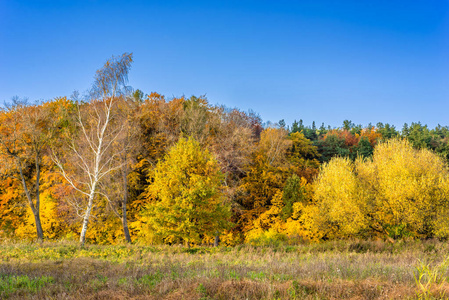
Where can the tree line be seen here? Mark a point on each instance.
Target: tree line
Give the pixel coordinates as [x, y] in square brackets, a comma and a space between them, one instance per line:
[122, 165]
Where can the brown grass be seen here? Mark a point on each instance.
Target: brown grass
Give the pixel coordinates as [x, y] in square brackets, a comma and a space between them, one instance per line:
[332, 270]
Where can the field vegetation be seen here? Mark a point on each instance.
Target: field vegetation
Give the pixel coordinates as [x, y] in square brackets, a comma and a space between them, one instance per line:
[329, 270]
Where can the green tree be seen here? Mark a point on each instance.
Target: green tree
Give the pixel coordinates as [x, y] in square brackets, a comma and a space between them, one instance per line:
[364, 147]
[419, 136]
[348, 125]
[185, 198]
[332, 145]
[293, 192]
[387, 131]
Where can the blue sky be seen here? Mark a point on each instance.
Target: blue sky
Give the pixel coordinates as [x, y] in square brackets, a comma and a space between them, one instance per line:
[323, 61]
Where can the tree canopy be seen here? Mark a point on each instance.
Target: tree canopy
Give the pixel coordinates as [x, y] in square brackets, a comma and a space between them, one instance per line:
[182, 170]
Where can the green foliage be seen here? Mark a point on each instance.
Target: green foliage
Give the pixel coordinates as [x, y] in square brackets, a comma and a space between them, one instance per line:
[11, 284]
[398, 231]
[332, 146]
[419, 136]
[138, 96]
[194, 121]
[268, 237]
[364, 148]
[293, 192]
[202, 291]
[430, 279]
[387, 131]
[150, 280]
[302, 151]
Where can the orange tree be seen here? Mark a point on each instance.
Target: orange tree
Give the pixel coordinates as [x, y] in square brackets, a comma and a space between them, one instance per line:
[26, 132]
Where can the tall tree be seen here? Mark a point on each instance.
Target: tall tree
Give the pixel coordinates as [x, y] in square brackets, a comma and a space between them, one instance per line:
[25, 134]
[91, 150]
[265, 175]
[116, 185]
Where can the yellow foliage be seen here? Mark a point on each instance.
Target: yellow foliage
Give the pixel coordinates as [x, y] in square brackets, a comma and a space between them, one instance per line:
[184, 202]
[304, 226]
[401, 191]
[338, 199]
[409, 186]
[270, 227]
[52, 224]
[105, 229]
[12, 206]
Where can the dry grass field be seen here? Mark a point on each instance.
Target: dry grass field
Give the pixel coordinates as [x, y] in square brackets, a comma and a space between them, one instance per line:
[329, 270]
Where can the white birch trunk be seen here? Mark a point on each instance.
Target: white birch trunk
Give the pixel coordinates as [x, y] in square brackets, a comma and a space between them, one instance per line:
[87, 216]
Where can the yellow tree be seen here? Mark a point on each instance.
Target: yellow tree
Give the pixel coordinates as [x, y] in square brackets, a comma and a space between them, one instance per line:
[269, 226]
[401, 191]
[184, 199]
[408, 188]
[338, 198]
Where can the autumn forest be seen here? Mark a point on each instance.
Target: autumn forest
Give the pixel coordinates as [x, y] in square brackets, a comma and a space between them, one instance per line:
[121, 165]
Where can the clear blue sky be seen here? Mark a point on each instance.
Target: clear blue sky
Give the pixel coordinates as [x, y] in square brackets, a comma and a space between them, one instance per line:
[327, 61]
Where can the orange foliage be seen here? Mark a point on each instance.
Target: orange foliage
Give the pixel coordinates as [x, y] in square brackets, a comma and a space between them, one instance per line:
[349, 138]
[372, 134]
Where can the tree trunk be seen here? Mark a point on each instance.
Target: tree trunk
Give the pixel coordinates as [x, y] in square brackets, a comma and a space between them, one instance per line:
[125, 227]
[217, 240]
[125, 201]
[86, 217]
[34, 209]
[40, 232]
[37, 218]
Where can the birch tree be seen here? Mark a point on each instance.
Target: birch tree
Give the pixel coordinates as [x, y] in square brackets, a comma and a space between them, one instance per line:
[90, 147]
[115, 186]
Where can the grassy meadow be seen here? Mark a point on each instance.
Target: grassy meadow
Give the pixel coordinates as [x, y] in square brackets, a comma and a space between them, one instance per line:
[328, 270]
